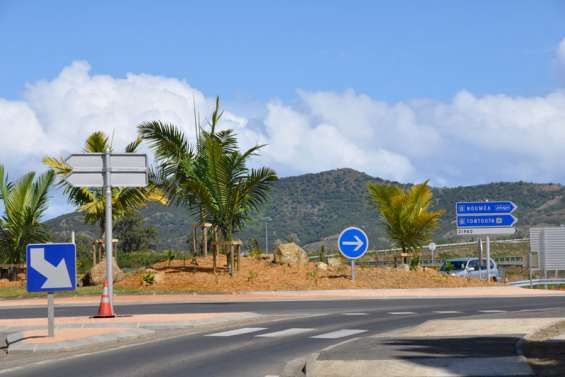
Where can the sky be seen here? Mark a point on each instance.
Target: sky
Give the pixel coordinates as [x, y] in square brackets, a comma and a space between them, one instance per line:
[458, 92]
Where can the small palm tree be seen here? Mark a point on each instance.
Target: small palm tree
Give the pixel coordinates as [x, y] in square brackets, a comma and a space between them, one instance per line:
[25, 202]
[91, 201]
[405, 213]
[213, 180]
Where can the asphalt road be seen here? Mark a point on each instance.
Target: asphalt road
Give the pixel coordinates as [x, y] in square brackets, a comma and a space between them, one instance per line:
[245, 352]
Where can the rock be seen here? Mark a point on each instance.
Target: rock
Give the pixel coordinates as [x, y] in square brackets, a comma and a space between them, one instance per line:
[97, 273]
[335, 261]
[322, 266]
[291, 254]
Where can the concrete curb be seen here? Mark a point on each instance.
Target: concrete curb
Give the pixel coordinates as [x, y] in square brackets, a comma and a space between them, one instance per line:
[14, 344]
[134, 330]
[170, 325]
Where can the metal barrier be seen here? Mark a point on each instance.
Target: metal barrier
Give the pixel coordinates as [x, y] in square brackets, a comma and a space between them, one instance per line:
[534, 282]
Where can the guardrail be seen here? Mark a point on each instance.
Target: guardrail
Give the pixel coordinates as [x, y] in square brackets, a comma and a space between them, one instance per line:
[534, 282]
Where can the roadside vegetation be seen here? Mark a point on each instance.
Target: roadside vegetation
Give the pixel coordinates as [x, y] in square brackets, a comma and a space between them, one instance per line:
[24, 203]
[406, 214]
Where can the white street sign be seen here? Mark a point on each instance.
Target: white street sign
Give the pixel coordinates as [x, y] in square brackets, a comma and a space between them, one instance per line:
[432, 246]
[484, 231]
[126, 170]
[108, 170]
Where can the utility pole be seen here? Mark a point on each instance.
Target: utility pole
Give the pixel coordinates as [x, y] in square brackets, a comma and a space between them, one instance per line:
[266, 219]
[108, 225]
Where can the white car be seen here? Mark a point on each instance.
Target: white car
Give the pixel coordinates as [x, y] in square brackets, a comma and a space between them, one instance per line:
[469, 267]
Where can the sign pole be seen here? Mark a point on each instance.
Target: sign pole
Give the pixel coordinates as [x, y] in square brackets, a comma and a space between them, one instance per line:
[353, 270]
[108, 225]
[50, 314]
[488, 258]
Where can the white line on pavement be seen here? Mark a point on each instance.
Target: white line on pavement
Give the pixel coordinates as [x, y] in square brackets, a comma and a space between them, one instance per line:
[492, 311]
[354, 313]
[245, 330]
[287, 332]
[447, 312]
[401, 313]
[338, 334]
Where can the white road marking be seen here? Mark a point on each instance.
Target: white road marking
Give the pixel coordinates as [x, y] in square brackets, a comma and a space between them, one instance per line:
[401, 313]
[354, 313]
[244, 330]
[447, 312]
[338, 334]
[287, 332]
[492, 311]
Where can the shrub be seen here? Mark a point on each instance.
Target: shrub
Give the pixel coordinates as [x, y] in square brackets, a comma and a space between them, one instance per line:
[148, 278]
[252, 276]
[414, 262]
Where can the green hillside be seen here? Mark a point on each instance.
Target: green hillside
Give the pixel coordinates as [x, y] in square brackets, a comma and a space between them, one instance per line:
[312, 207]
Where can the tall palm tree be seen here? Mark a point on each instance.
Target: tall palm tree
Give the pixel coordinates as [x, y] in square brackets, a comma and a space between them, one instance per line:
[405, 213]
[25, 202]
[91, 201]
[213, 180]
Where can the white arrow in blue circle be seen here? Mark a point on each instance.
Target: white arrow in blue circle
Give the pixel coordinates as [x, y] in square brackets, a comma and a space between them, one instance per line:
[353, 243]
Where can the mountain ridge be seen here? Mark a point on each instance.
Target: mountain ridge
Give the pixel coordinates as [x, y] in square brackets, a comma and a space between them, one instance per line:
[310, 207]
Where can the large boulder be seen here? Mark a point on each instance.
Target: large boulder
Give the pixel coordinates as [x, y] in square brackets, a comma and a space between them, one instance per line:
[291, 254]
[97, 273]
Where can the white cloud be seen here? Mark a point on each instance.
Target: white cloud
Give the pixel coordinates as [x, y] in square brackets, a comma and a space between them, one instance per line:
[470, 139]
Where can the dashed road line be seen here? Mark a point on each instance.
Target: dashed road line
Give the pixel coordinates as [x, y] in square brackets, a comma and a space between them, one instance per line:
[401, 313]
[447, 312]
[492, 311]
[287, 332]
[338, 334]
[244, 330]
[353, 314]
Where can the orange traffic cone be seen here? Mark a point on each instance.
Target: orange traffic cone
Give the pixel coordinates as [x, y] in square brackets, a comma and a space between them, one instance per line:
[105, 310]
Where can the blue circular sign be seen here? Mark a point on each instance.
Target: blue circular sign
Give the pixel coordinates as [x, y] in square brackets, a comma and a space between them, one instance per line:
[353, 243]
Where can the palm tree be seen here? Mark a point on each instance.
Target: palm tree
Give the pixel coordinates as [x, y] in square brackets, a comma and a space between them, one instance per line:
[213, 180]
[91, 201]
[25, 202]
[405, 213]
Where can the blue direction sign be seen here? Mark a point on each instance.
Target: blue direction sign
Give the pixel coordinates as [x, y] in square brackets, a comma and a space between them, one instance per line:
[353, 243]
[485, 208]
[51, 267]
[484, 221]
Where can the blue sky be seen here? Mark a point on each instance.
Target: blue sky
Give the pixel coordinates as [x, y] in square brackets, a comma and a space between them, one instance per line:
[393, 50]
[458, 92]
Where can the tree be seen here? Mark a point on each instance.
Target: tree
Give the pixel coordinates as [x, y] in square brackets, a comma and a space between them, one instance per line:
[133, 234]
[405, 213]
[214, 180]
[25, 202]
[91, 201]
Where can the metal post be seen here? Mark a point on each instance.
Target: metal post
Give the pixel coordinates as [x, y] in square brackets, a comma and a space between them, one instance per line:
[108, 226]
[266, 239]
[73, 236]
[353, 270]
[50, 315]
[530, 267]
[480, 259]
[488, 258]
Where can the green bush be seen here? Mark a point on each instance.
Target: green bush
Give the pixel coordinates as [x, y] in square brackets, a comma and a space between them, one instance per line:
[414, 263]
[148, 278]
[139, 259]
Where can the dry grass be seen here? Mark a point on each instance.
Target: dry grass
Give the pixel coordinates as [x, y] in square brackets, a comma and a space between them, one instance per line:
[260, 274]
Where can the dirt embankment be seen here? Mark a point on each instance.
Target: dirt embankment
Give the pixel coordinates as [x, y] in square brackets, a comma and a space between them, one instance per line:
[262, 274]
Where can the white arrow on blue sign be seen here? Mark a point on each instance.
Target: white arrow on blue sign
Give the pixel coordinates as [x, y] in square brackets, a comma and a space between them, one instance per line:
[481, 221]
[51, 267]
[485, 208]
[353, 243]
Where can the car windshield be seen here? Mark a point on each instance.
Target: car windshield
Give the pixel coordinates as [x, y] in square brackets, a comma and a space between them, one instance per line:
[454, 265]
